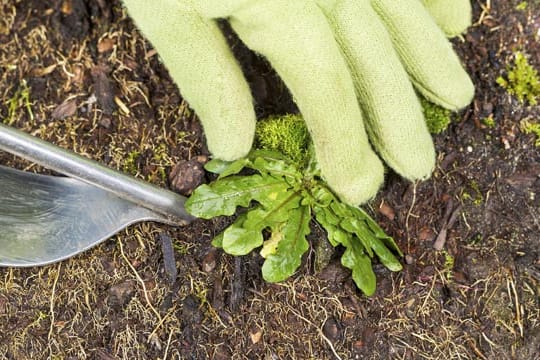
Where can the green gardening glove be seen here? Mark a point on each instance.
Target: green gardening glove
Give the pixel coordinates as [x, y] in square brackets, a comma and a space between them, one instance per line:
[349, 64]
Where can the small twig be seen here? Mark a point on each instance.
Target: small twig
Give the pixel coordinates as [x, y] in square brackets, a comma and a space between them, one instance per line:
[512, 293]
[475, 349]
[319, 330]
[140, 280]
[51, 309]
[449, 219]
[169, 262]
[168, 345]
[409, 213]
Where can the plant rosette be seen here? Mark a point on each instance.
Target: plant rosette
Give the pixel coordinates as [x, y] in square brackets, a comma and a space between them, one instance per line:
[280, 201]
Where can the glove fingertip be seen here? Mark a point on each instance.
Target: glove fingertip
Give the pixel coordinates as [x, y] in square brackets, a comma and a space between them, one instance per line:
[357, 186]
[453, 17]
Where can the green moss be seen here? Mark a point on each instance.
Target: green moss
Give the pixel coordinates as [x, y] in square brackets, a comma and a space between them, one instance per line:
[20, 100]
[437, 118]
[522, 6]
[531, 128]
[130, 165]
[522, 80]
[287, 134]
[475, 196]
[489, 121]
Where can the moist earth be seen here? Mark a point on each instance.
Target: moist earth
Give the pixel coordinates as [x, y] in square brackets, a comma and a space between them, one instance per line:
[77, 73]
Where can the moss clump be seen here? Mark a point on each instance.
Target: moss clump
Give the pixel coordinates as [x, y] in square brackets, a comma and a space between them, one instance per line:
[20, 100]
[522, 6]
[531, 128]
[489, 121]
[287, 134]
[437, 118]
[522, 80]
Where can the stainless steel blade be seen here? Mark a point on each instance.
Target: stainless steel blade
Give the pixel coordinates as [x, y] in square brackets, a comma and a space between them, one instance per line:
[44, 219]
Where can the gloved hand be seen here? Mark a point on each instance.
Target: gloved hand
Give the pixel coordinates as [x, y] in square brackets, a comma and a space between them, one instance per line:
[342, 60]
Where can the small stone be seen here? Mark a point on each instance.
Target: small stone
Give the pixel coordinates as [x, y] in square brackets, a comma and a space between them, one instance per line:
[409, 259]
[120, 294]
[105, 44]
[210, 260]
[426, 234]
[105, 122]
[255, 336]
[332, 329]
[186, 176]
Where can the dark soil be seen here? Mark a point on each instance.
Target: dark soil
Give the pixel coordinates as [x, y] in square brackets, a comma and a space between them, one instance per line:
[77, 73]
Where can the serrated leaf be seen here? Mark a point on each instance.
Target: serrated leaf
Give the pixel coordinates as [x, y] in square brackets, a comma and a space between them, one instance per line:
[275, 211]
[287, 257]
[270, 245]
[223, 196]
[245, 235]
[276, 168]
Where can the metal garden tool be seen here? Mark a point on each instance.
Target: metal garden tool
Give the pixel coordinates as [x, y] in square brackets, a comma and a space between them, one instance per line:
[44, 219]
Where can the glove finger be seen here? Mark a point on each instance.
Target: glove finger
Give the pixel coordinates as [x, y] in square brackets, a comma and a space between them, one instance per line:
[295, 37]
[201, 63]
[394, 118]
[425, 53]
[452, 16]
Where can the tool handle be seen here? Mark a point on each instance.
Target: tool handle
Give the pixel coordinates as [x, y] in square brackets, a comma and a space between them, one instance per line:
[164, 202]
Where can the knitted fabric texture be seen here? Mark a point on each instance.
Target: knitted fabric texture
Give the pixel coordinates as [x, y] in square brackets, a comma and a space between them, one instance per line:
[452, 16]
[344, 61]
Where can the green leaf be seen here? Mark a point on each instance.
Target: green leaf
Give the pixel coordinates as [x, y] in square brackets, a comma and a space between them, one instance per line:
[240, 241]
[217, 241]
[274, 211]
[360, 264]
[371, 243]
[223, 196]
[236, 240]
[378, 232]
[358, 227]
[268, 154]
[245, 235]
[385, 256]
[341, 210]
[323, 196]
[327, 219]
[234, 168]
[292, 244]
[276, 167]
[216, 166]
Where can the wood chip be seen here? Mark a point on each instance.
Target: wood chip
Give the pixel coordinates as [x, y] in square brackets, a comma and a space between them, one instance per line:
[169, 262]
[65, 109]
[387, 211]
[105, 44]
